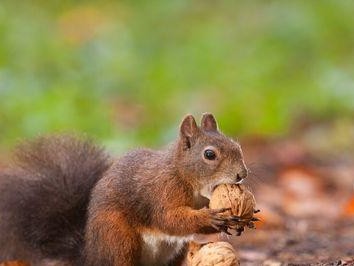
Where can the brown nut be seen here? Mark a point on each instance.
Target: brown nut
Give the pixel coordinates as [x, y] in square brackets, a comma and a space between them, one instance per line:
[217, 253]
[237, 197]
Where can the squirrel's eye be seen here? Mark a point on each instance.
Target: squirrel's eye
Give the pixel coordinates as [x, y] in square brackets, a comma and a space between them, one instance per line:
[209, 155]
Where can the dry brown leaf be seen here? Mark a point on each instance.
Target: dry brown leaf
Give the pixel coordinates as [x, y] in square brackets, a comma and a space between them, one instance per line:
[349, 207]
[14, 263]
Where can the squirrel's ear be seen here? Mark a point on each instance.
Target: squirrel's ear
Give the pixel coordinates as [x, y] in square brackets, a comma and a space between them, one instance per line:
[188, 130]
[209, 122]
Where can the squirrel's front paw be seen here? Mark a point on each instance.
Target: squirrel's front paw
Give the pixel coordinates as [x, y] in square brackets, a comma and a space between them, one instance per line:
[221, 220]
[218, 220]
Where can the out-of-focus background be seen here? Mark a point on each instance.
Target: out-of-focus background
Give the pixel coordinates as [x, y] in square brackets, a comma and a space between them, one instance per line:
[278, 75]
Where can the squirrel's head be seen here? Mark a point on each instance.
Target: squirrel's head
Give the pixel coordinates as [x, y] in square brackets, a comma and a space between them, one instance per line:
[207, 156]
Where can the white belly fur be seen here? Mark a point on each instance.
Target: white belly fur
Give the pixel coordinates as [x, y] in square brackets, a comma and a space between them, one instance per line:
[159, 249]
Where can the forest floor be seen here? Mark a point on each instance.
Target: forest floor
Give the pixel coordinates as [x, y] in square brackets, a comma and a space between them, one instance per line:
[304, 187]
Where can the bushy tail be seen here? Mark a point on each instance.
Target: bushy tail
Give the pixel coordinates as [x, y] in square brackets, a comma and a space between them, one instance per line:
[44, 197]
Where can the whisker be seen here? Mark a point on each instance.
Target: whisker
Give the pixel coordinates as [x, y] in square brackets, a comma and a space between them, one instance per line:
[257, 167]
[257, 177]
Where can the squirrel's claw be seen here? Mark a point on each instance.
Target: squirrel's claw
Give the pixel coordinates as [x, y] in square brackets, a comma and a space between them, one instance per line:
[220, 226]
[225, 230]
[239, 231]
[215, 227]
[251, 225]
[235, 218]
[219, 222]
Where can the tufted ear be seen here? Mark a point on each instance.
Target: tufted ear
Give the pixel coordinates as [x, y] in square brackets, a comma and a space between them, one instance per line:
[208, 122]
[188, 131]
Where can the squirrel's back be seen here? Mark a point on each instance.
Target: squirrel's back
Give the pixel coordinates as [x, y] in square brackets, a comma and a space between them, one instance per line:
[44, 197]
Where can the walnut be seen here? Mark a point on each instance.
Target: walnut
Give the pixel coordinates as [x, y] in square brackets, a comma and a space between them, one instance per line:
[217, 253]
[239, 199]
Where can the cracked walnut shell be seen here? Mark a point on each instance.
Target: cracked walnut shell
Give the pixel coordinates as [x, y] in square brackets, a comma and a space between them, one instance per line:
[214, 254]
[237, 197]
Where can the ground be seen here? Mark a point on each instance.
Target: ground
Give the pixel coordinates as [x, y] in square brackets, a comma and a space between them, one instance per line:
[304, 186]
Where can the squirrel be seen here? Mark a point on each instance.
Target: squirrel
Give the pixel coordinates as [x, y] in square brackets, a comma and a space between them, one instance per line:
[65, 201]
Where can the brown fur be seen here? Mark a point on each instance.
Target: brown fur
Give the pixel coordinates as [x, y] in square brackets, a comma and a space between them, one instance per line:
[44, 197]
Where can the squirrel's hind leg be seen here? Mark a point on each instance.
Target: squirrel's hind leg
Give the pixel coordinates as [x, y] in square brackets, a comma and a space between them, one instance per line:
[180, 257]
[111, 240]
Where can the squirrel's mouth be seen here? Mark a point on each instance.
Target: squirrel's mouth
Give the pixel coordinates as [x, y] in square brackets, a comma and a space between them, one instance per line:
[239, 182]
[208, 189]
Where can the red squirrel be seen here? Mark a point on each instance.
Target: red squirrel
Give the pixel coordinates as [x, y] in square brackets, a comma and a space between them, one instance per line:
[67, 202]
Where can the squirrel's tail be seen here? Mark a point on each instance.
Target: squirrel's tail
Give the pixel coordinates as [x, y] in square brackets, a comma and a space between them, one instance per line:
[44, 198]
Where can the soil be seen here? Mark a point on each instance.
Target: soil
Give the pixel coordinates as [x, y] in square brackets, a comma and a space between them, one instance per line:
[306, 196]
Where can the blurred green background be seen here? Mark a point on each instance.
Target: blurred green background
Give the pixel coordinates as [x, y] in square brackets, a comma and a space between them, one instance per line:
[126, 72]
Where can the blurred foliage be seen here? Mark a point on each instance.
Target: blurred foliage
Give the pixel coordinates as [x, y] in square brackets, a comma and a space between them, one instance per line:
[127, 71]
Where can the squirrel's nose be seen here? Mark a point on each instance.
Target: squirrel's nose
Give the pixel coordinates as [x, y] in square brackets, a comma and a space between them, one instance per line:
[242, 175]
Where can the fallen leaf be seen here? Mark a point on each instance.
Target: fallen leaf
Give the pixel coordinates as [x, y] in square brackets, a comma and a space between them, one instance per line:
[14, 263]
[269, 218]
[348, 209]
